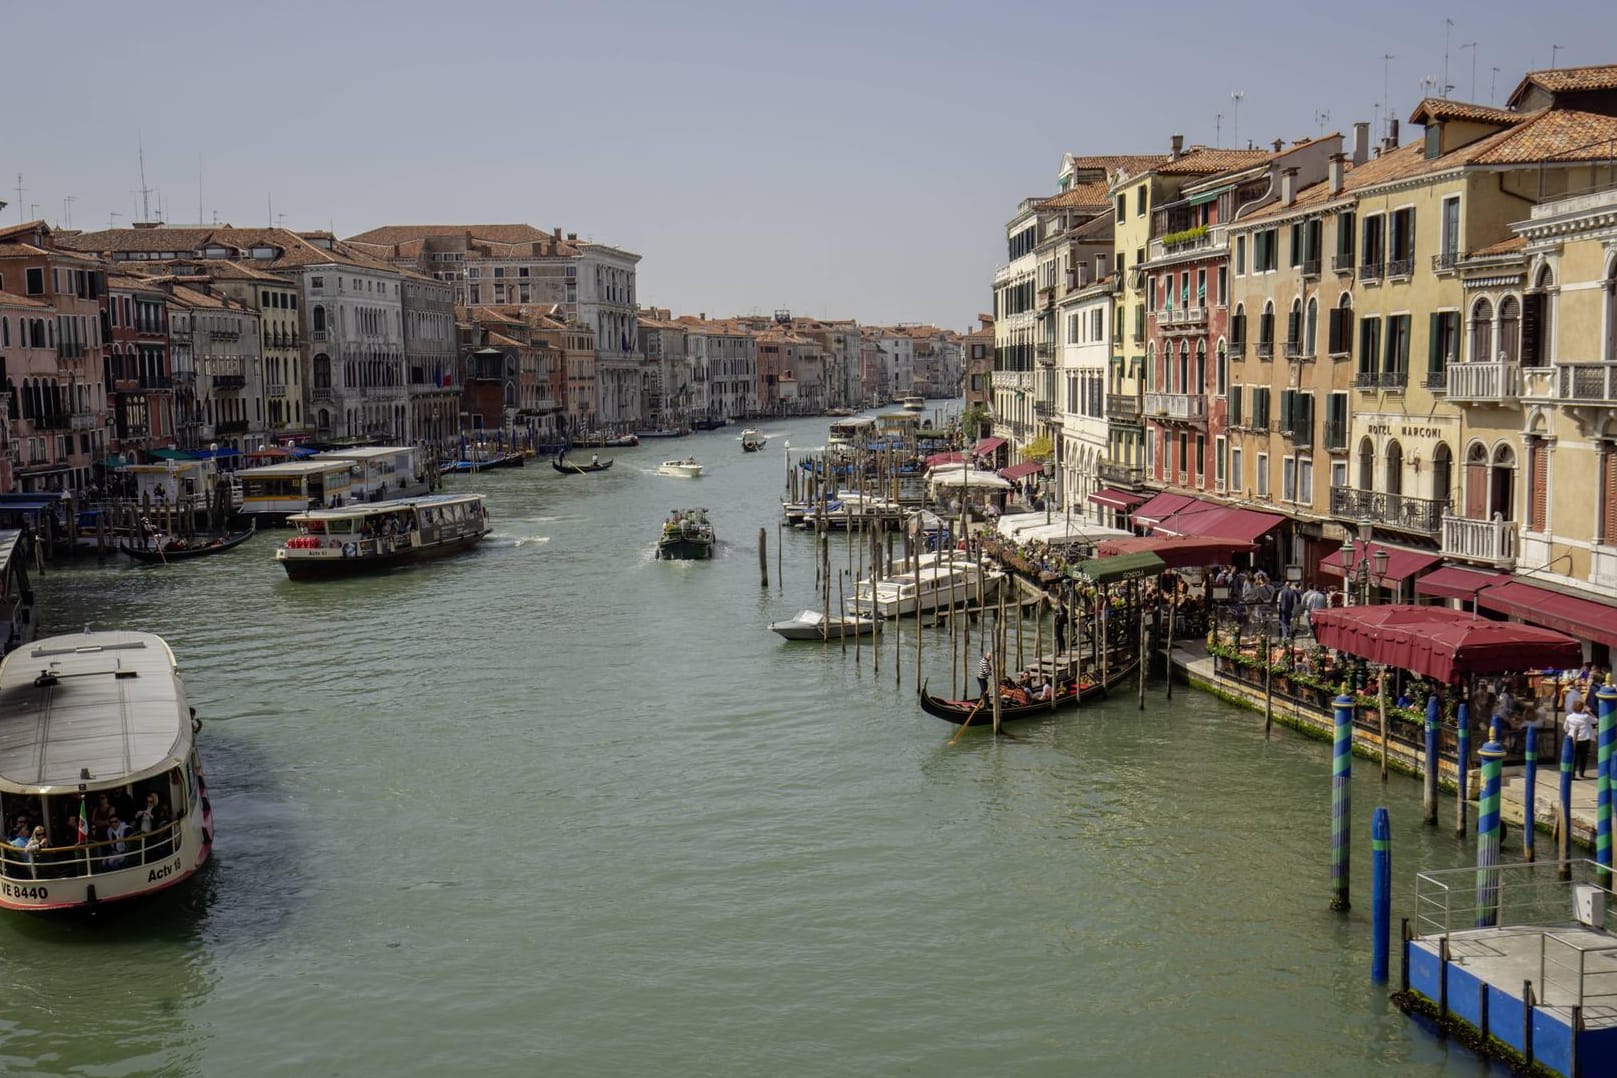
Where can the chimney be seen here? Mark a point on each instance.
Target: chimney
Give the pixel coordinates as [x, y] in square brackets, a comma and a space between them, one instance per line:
[555, 234]
[572, 235]
[1288, 186]
[1178, 148]
[1337, 169]
[1391, 142]
[1361, 142]
[1279, 144]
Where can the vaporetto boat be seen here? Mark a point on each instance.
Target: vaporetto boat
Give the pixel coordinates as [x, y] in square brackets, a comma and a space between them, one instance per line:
[941, 581]
[381, 535]
[87, 717]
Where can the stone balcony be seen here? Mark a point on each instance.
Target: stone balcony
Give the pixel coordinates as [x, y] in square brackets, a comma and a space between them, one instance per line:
[1127, 474]
[1483, 383]
[1399, 512]
[1191, 407]
[1491, 542]
[1122, 406]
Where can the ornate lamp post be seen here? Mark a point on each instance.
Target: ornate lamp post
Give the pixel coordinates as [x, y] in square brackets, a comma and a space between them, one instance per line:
[1049, 473]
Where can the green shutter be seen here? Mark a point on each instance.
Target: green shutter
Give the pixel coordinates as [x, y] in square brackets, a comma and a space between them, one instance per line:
[1235, 405]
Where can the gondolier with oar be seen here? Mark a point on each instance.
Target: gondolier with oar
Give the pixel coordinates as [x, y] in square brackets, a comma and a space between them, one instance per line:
[985, 674]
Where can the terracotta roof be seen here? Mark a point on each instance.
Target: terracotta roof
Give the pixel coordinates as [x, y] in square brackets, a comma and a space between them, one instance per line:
[294, 249]
[1550, 135]
[11, 299]
[130, 283]
[500, 338]
[1436, 109]
[1098, 227]
[1503, 247]
[1083, 195]
[1388, 166]
[1205, 161]
[190, 297]
[1126, 162]
[1561, 80]
[388, 235]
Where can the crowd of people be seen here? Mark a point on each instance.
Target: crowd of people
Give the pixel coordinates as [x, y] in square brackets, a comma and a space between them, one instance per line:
[115, 823]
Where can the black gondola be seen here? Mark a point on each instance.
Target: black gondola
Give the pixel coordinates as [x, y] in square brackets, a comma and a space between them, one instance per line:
[573, 469]
[958, 711]
[169, 552]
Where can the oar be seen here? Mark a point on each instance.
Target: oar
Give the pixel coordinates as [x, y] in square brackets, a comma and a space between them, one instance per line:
[981, 701]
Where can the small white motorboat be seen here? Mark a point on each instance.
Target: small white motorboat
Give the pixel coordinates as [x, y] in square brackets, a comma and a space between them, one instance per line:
[814, 625]
[752, 440]
[683, 469]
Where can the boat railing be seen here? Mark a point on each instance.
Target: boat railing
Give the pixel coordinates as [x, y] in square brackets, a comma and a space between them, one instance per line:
[90, 858]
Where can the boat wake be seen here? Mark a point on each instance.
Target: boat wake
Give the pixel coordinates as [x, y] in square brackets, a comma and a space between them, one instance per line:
[528, 540]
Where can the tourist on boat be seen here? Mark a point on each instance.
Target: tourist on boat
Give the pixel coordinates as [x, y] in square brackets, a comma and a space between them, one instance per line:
[32, 848]
[101, 815]
[146, 818]
[117, 830]
[1046, 692]
[1013, 693]
[985, 670]
[595, 459]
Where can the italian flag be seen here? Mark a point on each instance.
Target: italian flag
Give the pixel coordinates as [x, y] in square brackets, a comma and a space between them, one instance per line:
[84, 822]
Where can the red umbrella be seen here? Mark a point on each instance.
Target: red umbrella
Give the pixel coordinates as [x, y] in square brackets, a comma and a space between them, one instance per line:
[1440, 643]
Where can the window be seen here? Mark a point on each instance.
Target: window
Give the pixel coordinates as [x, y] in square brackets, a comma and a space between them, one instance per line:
[1221, 451]
[1305, 479]
[1122, 208]
[1288, 479]
[1345, 231]
[36, 281]
[1449, 244]
[1261, 484]
[1510, 329]
[1444, 346]
[1072, 328]
[1222, 371]
[1294, 325]
[1139, 201]
[1235, 468]
[1240, 256]
[1338, 473]
[1396, 360]
[1369, 346]
[1265, 250]
[1266, 329]
[1223, 285]
[1401, 243]
[1482, 332]
[1340, 330]
[1372, 250]
[1311, 326]
[1238, 329]
[1260, 407]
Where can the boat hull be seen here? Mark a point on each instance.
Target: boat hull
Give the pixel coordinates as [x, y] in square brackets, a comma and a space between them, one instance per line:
[960, 711]
[685, 549]
[579, 469]
[327, 563]
[165, 556]
[792, 630]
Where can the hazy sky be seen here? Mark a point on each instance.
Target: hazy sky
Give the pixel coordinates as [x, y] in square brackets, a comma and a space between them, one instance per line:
[839, 159]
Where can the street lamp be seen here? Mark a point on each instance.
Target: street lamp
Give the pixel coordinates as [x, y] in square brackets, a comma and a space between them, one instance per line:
[1049, 473]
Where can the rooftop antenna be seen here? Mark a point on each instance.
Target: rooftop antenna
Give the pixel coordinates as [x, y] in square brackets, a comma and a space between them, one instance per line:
[1235, 116]
[269, 201]
[1492, 79]
[1472, 45]
[199, 189]
[1218, 130]
[1448, 30]
[21, 205]
[112, 220]
[67, 210]
[1553, 50]
[1386, 88]
[1321, 118]
[145, 192]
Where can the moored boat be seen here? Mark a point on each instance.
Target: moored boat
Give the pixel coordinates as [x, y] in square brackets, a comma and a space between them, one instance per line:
[466, 466]
[687, 468]
[381, 535]
[663, 432]
[115, 800]
[942, 581]
[752, 441]
[687, 535]
[1069, 692]
[606, 441]
[814, 625]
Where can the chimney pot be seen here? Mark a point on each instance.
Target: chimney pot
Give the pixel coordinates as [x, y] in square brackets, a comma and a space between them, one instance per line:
[1178, 146]
[555, 234]
[1279, 144]
[1337, 171]
[1288, 186]
[1361, 142]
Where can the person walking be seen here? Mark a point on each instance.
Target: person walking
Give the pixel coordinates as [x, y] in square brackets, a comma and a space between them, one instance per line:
[1290, 600]
[1580, 727]
[985, 674]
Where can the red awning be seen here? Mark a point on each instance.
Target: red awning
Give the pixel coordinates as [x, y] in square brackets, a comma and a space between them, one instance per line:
[1161, 507]
[1457, 582]
[1176, 551]
[1402, 563]
[1019, 471]
[1116, 499]
[1222, 522]
[936, 459]
[1583, 618]
[1445, 644]
[986, 446]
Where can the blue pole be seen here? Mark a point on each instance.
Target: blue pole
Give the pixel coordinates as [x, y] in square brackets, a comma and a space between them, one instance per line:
[1492, 755]
[1381, 893]
[1341, 801]
[1606, 696]
[1429, 797]
[1565, 845]
[1462, 762]
[1530, 795]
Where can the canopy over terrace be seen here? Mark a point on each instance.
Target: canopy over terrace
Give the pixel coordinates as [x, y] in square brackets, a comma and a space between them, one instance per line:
[958, 476]
[1443, 644]
[1177, 551]
[1402, 563]
[1030, 527]
[1022, 470]
[1122, 567]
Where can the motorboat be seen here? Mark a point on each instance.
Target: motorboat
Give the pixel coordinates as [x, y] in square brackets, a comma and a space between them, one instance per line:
[92, 716]
[940, 582]
[814, 625]
[752, 441]
[914, 404]
[687, 535]
[687, 468]
[381, 535]
[567, 467]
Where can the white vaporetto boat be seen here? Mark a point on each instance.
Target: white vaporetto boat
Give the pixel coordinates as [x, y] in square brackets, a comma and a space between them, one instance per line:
[814, 625]
[942, 581]
[380, 535]
[98, 755]
[914, 404]
[680, 469]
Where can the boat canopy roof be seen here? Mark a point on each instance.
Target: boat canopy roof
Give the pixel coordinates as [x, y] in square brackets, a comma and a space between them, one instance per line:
[376, 509]
[97, 708]
[364, 453]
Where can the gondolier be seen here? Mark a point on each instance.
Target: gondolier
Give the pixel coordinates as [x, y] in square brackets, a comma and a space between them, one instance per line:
[985, 674]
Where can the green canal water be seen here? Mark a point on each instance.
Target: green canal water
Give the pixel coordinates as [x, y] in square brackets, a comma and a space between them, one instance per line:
[557, 807]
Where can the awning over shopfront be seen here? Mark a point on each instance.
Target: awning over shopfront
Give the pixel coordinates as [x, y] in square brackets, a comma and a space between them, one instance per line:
[986, 446]
[1116, 499]
[1455, 581]
[1220, 521]
[1177, 551]
[1440, 643]
[1162, 507]
[1022, 470]
[945, 458]
[1123, 567]
[1402, 563]
[1583, 618]
[955, 475]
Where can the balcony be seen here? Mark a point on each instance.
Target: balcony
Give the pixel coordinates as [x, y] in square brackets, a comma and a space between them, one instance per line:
[1127, 474]
[232, 426]
[1372, 271]
[1188, 407]
[1492, 542]
[1310, 267]
[275, 389]
[1400, 269]
[69, 350]
[1303, 437]
[156, 381]
[1294, 350]
[1046, 298]
[1444, 262]
[1122, 406]
[1336, 435]
[320, 335]
[83, 421]
[225, 334]
[1237, 349]
[1045, 353]
[1401, 512]
[1342, 263]
[1044, 409]
[1265, 349]
[229, 381]
[1182, 317]
[1387, 381]
[1586, 382]
[320, 393]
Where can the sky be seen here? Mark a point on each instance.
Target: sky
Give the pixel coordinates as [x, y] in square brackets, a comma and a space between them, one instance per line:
[850, 160]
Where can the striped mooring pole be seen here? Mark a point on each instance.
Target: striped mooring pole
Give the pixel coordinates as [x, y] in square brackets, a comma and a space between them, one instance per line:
[1530, 795]
[1380, 893]
[1341, 801]
[1606, 696]
[1492, 756]
[1565, 839]
[1462, 764]
[1429, 794]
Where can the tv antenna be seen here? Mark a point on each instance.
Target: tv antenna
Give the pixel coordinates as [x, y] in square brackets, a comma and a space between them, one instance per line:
[1235, 117]
[21, 205]
[1321, 118]
[1386, 88]
[144, 191]
[67, 210]
[1472, 45]
[1492, 80]
[1553, 50]
[1448, 30]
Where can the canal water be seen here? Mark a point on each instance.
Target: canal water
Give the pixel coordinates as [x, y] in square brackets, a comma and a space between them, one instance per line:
[558, 807]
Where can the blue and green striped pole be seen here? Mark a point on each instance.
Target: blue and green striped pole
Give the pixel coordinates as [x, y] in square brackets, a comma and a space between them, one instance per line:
[1530, 794]
[1429, 796]
[1341, 801]
[1564, 846]
[1462, 763]
[1380, 893]
[1606, 697]
[1492, 755]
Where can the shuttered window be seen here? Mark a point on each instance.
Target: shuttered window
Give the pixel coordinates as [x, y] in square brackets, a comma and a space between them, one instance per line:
[1533, 349]
[1608, 493]
[1238, 331]
[1235, 405]
[1538, 463]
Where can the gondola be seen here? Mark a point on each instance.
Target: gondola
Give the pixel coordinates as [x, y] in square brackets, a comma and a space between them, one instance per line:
[573, 469]
[1089, 690]
[171, 553]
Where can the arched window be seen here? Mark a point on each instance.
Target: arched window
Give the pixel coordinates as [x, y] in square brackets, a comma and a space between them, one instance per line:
[319, 319]
[322, 372]
[1294, 327]
[1311, 326]
[1510, 329]
[1184, 367]
[1442, 473]
[1266, 328]
[1395, 468]
[1238, 329]
[1201, 367]
[1482, 332]
[1367, 465]
[1502, 484]
[1476, 482]
[1538, 311]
